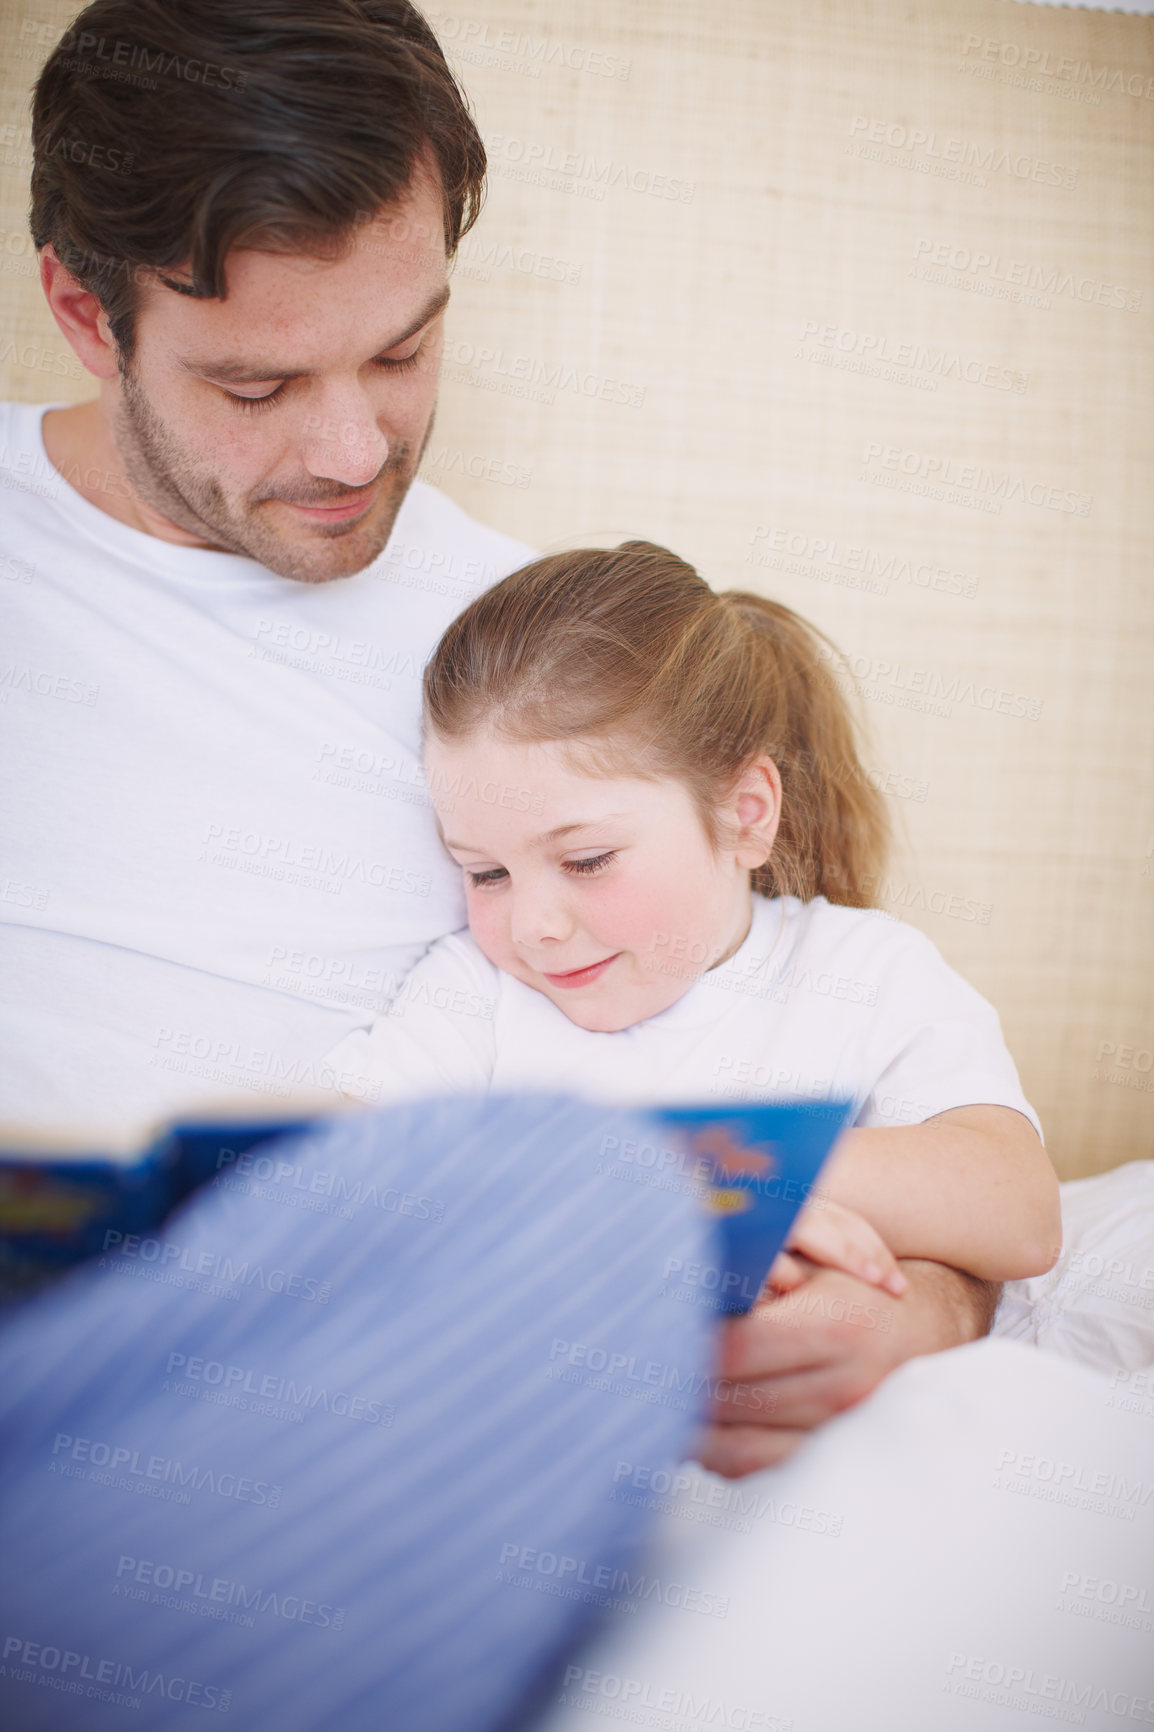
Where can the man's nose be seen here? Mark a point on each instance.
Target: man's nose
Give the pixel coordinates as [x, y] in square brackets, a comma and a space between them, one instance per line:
[346, 446]
[540, 915]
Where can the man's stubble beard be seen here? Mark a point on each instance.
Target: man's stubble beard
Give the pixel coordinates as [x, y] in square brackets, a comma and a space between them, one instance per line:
[174, 484]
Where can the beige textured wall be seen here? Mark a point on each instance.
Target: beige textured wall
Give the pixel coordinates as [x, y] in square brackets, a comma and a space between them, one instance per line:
[851, 302]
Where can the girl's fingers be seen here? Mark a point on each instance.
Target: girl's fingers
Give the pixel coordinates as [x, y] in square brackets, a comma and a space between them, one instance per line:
[842, 1240]
[785, 1273]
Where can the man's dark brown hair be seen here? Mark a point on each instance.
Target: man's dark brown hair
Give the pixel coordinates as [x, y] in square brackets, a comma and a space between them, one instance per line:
[167, 132]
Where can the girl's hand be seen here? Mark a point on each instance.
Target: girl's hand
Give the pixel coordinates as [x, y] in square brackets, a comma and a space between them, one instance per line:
[827, 1233]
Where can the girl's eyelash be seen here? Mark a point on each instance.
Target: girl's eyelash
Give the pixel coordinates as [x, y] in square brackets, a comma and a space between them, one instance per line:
[253, 405]
[580, 868]
[493, 876]
[595, 863]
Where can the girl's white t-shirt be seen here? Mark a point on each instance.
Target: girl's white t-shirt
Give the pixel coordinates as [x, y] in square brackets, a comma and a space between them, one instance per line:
[819, 1002]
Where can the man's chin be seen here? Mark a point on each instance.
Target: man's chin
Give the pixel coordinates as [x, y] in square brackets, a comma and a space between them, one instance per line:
[320, 553]
[322, 562]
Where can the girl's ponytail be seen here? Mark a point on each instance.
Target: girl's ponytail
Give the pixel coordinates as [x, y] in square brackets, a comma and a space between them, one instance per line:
[631, 653]
[834, 837]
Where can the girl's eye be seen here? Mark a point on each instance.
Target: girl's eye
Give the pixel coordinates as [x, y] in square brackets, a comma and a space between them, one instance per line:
[493, 875]
[593, 863]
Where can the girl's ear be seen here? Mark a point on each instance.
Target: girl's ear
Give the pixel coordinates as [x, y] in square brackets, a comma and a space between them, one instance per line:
[754, 810]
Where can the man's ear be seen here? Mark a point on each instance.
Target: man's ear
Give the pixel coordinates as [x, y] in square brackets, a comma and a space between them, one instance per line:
[753, 809]
[79, 315]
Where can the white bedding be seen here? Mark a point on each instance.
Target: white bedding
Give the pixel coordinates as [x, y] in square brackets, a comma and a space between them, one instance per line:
[1096, 1305]
[970, 1548]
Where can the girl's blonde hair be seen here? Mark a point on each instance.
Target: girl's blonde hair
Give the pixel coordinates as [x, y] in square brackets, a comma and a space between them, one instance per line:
[629, 653]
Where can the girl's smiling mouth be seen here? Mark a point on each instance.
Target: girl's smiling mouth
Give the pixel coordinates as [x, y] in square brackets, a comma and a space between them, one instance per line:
[582, 976]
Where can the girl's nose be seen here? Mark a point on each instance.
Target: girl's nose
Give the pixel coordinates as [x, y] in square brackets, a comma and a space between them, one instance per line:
[539, 916]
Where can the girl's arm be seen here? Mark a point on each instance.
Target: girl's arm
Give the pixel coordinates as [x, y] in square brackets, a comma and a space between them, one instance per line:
[972, 1187]
[437, 1036]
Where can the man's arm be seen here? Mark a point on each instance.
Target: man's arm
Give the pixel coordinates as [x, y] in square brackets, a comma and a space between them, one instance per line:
[798, 1360]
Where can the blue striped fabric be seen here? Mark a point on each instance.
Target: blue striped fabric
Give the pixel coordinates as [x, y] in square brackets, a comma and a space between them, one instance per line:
[336, 1449]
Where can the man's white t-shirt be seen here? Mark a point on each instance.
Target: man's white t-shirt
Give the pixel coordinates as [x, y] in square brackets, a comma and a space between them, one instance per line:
[218, 850]
[819, 1002]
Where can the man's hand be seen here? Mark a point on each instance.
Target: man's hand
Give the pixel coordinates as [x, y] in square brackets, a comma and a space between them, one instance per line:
[797, 1360]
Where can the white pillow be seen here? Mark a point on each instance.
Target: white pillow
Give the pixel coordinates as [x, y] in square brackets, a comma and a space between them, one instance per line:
[1096, 1305]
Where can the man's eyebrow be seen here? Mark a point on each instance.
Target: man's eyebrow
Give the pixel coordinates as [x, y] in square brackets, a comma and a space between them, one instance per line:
[236, 370]
[549, 835]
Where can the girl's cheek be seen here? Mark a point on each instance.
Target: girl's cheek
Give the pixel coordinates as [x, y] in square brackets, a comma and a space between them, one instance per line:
[475, 910]
[485, 922]
[633, 911]
[678, 924]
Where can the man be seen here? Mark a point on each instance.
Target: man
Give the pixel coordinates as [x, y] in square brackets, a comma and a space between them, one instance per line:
[214, 695]
[222, 846]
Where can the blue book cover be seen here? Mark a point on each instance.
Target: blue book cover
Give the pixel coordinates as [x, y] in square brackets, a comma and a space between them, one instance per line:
[59, 1207]
[759, 1164]
[753, 1165]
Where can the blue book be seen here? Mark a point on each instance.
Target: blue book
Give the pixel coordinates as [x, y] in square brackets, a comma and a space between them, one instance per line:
[753, 1165]
[60, 1206]
[759, 1164]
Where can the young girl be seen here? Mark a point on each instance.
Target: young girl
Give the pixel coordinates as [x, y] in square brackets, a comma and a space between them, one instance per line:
[669, 849]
